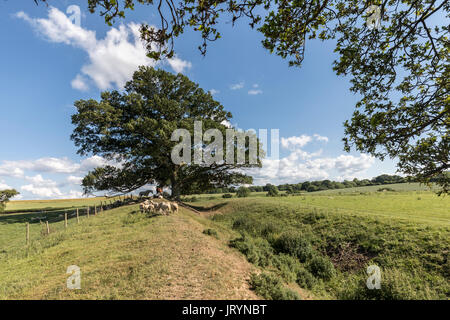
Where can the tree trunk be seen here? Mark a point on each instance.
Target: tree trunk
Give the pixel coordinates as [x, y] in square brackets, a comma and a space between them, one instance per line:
[175, 186]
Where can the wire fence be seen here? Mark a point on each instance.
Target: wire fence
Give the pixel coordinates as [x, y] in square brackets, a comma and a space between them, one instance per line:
[21, 230]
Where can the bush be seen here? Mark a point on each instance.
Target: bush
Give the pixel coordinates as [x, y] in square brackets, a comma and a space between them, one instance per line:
[305, 279]
[272, 191]
[313, 217]
[288, 266]
[243, 192]
[227, 195]
[257, 251]
[321, 267]
[386, 189]
[271, 287]
[211, 232]
[295, 244]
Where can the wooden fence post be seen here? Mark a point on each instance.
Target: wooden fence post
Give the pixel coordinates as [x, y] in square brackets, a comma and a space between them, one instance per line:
[95, 210]
[28, 233]
[48, 228]
[65, 219]
[78, 217]
[88, 212]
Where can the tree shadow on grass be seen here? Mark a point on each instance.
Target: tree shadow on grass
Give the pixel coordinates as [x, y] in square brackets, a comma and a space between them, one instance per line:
[206, 209]
[54, 216]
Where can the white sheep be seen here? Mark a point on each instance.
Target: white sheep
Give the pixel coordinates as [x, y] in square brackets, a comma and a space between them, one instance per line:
[165, 207]
[174, 206]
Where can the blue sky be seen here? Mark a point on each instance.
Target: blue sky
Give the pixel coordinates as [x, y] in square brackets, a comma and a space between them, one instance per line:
[47, 64]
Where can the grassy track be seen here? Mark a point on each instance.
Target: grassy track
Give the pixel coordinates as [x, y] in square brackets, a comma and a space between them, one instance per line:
[128, 256]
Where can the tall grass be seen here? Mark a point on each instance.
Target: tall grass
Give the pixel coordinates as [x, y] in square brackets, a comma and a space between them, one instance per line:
[332, 248]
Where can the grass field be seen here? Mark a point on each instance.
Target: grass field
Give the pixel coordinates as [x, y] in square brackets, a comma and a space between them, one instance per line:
[316, 245]
[412, 251]
[38, 205]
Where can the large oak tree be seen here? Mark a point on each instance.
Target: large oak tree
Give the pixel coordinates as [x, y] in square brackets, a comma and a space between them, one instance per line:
[134, 128]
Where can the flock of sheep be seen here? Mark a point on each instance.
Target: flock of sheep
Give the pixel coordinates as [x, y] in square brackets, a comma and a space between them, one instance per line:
[163, 207]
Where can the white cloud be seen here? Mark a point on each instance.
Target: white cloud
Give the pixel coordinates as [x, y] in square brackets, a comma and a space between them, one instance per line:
[73, 194]
[55, 165]
[80, 83]
[66, 172]
[9, 169]
[237, 86]
[320, 138]
[47, 188]
[349, 165]
[74, 180]
[255, 92]
[51, 165]
[112, 60]
[226, 123]
[295, 141]
[300, 165]
[4, 186]
[179, 65]
[42, 187]
[214, 91]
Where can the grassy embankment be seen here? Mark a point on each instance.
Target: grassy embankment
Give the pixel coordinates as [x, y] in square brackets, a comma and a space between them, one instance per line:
[316, 245]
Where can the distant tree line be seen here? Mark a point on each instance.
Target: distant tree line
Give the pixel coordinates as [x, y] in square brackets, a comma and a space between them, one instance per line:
[320, 185]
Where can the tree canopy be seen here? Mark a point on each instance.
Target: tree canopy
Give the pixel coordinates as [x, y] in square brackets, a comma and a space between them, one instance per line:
[400, 68]
[5, 195]
[135, 130]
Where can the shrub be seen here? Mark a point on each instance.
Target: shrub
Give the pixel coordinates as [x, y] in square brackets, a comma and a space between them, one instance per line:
[249, 225]
[211, 232]
[272, 191]
[313, 217]
[295, 244]
[268, 229]
[243, 192]
[386, 189]
[305, 279]
[257, 251]
[270, 287]
[288, 266]
[227, 195]
[321, 267]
